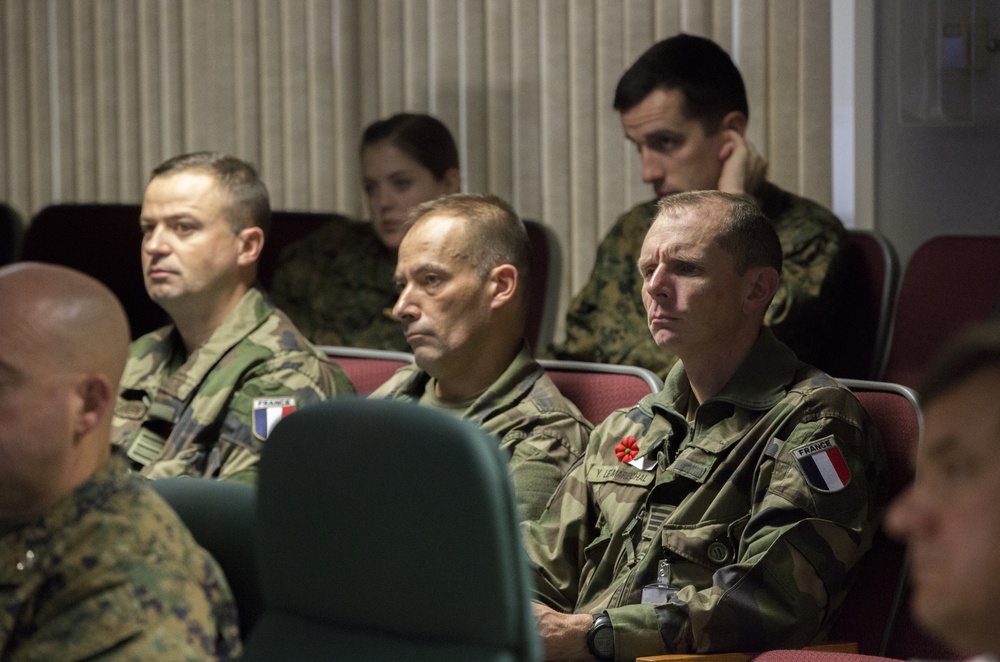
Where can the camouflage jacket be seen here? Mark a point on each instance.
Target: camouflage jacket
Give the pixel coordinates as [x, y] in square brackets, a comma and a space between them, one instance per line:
[337, 287]
[209, 413]
[543, 432]
[112, 573]
[761, 544]
[606, 321]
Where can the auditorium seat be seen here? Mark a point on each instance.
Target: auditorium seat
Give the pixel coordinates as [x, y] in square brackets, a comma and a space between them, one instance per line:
[367, 368]
[948, 284]
[871, 270]
[103, 241]
[388, 531]
[543, 293]
[597, 389]
[11, 233]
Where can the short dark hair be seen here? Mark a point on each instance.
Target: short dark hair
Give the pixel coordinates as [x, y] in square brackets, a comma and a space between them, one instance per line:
[974, 350]
[251, 204]
[423, 138]
[496, 233]
[704, 73]
[746, 233]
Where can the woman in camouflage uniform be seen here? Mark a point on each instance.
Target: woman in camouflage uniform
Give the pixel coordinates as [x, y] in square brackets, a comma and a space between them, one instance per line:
[337, 283]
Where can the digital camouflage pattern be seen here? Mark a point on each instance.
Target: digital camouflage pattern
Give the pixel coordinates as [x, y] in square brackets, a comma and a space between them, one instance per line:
[192, 415]
[112, 573]
[763, 558]
[544, 433]
[606, 321]
[337, 287]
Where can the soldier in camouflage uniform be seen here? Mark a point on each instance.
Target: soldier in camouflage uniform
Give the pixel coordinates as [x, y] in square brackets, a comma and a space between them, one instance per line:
[757, 479]
[684, 105]
[462, 274]
[93, 564]
[199, 397]
[337, 283]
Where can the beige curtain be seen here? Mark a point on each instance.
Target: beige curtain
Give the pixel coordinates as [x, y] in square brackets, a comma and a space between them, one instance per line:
[97, 92]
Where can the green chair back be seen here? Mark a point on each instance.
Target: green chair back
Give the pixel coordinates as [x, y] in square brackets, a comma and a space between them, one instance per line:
[388, 531]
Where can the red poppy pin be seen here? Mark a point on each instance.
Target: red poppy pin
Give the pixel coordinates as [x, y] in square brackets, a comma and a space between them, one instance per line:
[627, 449]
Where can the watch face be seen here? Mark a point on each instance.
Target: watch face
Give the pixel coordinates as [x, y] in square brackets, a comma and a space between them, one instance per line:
[604, 642]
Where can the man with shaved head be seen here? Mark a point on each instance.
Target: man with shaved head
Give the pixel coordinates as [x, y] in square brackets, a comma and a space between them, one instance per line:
[92, 562]
[462, 276]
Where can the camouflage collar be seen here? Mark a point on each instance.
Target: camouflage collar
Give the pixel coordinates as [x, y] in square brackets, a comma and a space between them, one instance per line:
[515, 382]
[759, 384]
[251, 311]
[511, 386]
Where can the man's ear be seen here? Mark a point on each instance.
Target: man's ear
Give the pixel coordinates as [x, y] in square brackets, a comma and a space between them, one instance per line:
[94, 396]
[503, 284]
[251, 244]
[735, 121]
[763, 283]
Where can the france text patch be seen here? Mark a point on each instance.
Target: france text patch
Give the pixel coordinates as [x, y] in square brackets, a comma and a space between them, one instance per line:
[823, 465]
[267, 412]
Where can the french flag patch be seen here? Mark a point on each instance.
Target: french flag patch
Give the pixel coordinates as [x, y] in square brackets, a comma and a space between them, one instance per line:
[267, 412]
[823, 465]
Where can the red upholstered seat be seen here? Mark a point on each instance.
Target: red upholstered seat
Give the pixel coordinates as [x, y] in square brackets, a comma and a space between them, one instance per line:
[948, 284]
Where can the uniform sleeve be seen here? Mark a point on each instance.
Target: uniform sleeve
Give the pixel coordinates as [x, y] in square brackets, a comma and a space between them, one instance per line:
[163, 616]
[791, 555]
[555, 542]
[541, 454]
[284, 381]
[606, 321]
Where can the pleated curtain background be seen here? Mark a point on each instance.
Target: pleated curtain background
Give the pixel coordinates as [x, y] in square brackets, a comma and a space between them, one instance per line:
[97, 92]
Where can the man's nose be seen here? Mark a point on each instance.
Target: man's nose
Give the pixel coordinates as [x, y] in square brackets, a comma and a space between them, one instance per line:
[404, 310]
[154, 242]
[658, 281]
[909, 515]
[652, 171]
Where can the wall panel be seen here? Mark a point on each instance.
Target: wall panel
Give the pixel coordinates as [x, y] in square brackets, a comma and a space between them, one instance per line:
[582, 116]
[472, 92]
[527, 103]
[784, 57]
[499, 129]
[16, 102]
[97, 92]
[815, 148]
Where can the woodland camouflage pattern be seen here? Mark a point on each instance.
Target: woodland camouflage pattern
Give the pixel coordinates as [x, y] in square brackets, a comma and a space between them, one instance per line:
[111, 573]
[337, 287]
[192, 416]
[763, 558]
[606, 321]
[544, 433]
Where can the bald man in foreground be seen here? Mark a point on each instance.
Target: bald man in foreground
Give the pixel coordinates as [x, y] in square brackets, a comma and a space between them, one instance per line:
[92, 563]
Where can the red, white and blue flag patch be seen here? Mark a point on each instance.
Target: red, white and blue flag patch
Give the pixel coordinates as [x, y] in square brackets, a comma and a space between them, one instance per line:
[823, 465]
[267, 412]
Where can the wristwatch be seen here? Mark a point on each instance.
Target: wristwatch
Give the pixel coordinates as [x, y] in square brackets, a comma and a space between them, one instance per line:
[601, 638]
